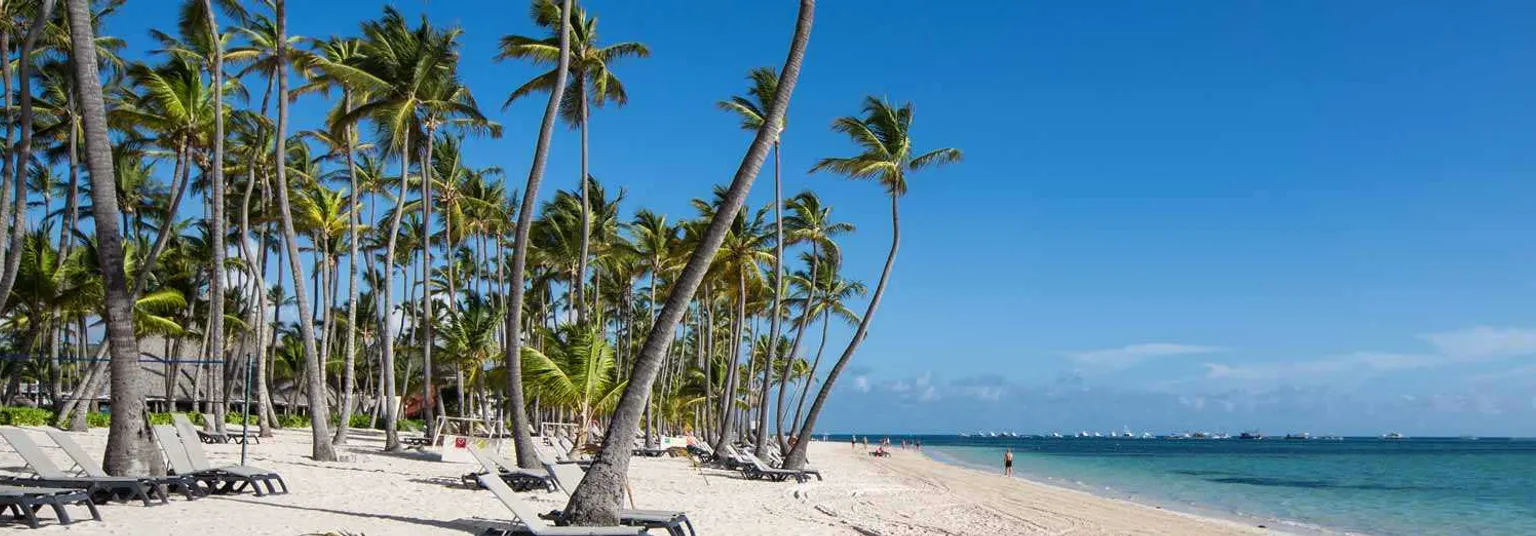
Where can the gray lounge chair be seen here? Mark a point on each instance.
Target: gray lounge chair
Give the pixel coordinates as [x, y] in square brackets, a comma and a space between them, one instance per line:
[755, 468]
[533, 525]
[518, 478]
[186, 485]
[567, 477]
[22, 503]
[206, 435]
[49, 475]
[187, 458]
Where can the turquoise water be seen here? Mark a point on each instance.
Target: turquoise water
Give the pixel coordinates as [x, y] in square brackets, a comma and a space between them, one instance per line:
[1412, 486]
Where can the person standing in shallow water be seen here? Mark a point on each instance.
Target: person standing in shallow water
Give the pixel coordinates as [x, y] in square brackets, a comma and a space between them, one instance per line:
[1008, 463]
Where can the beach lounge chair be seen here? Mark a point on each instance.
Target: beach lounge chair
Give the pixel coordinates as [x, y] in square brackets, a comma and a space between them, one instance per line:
[186, 485]
[755, 469]
[518, 478]
[206, 435]
[22, 503]
[186, 457]
[533, 525]
[49, 475]
[567, 477]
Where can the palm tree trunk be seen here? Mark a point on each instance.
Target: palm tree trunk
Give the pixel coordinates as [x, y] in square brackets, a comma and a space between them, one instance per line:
[348, 380]
[778, 300]
[516, 402]
[23, 153]
[428, 321]
[216, 283]
[130, 451]
[805, 388]
[728, 398]
[586, 208]
[386, 329]
[596, 501]
[796, 458]
[794, 349]
[7, 208]
[322, 449]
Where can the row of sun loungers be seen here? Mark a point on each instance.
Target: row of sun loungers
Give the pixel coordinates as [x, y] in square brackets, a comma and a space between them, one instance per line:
[51, 486]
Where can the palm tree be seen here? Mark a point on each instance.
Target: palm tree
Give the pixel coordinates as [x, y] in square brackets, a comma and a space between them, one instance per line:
[596, 500]
[592, 84]
[130, 451]
[765, 82]
[319, 414]
[809, 222]
[516, 401]
[575, 371]
[884, 135]
[404, 74]
[216, 204]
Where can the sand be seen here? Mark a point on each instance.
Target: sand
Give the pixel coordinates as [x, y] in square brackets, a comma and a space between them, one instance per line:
[386, 494]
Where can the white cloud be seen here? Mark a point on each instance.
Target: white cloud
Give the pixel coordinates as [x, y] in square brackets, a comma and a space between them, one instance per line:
[1126, 356]
[1484, 342]
[929, 394]
[1477, 344]
[861, 383]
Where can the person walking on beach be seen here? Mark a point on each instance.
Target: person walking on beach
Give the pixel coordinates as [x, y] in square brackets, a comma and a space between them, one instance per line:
[1008, 463]
[853, 442]
[919, 444]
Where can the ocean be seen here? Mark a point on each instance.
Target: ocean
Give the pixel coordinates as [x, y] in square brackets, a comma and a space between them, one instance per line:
[1375, 486]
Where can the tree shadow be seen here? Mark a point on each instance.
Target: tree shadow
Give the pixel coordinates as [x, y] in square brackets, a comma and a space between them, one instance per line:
[442, 481]
[450, 525]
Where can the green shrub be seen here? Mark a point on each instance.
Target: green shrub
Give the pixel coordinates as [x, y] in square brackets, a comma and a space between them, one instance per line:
[26, 417]
[293, 421]
[234, 418]
[96, 419]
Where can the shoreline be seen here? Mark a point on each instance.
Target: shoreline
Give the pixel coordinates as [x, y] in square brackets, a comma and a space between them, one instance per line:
[1055, 509]
[1273, 525]
[379, 494]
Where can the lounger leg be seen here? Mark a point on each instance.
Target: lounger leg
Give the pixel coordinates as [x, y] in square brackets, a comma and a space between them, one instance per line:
[280, 482]
[89, 505]
[138, 492]
[28, 513]
[255, 487]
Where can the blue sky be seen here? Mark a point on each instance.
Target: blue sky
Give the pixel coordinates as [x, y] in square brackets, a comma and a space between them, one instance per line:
[1223, 215]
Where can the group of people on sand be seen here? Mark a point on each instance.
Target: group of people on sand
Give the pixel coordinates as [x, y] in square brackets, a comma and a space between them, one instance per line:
[882, 449]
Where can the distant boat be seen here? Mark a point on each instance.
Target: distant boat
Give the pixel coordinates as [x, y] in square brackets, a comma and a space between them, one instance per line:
[1220, 435]
[1302, 435]
[1055, 435]
[1146, 435]
[1468, 438]
[1199, 435]
[1332, 438]
[1251, 435]
[1394, 435]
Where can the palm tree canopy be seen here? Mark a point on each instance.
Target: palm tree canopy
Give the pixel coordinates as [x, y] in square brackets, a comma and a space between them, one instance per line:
[884, 136]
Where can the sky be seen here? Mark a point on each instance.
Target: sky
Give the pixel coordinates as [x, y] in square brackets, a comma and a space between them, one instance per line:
[1205, 215]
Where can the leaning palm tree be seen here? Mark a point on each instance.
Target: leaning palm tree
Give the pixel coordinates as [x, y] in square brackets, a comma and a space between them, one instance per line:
[314, 372]
[596, 500]
[130, 451]
[765, 82]
[884, 135]
[592, 84]
[521, 439]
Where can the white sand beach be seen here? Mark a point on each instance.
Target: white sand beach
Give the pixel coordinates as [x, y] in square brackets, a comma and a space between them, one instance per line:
[378, 494]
